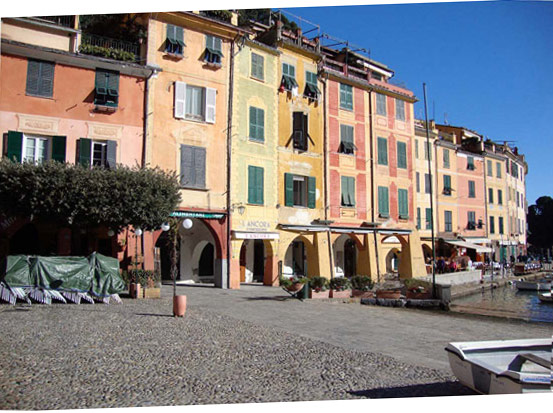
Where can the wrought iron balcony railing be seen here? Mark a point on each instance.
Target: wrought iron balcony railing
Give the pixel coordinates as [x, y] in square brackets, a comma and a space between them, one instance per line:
[116, 49]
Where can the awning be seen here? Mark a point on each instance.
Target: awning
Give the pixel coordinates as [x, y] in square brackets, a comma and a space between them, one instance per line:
[255, 235]
[478, 240]
[464, 244]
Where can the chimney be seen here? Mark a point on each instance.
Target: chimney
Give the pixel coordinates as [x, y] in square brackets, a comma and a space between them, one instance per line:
[516, 150]
[299, 36]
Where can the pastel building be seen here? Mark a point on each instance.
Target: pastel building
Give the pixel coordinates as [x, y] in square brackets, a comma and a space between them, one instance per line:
[58, 104]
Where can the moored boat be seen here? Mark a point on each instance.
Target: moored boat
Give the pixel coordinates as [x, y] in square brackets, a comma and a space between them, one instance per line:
[541, 285]
[502, 367]
[546, 297]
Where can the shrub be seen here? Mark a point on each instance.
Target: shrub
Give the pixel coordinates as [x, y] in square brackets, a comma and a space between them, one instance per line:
[362, 282]
[146, 278]
[318, 283]
[340, 284]
[416, 284]
[287, 282]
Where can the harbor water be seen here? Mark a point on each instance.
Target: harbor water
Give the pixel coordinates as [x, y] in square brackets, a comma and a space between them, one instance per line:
[509, 299]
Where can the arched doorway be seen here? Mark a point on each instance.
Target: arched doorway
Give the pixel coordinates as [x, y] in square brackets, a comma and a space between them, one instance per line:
[198, 250]
[392, 261]
[205, 264]
[427, 253]
[345, 256]
[295, 259]
[252, 261]
[164, 246]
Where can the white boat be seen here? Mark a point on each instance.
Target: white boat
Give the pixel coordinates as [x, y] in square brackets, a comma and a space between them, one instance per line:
[541, 285]
[503, 367]
[546, 297]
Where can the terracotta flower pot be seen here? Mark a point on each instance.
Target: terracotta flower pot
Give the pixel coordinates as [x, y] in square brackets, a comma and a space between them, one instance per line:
[179, 305]
[320, 294]
[390, 294]
[340, 294]
[362, 294]
[294, 288]
[419, 295]
[134, 290]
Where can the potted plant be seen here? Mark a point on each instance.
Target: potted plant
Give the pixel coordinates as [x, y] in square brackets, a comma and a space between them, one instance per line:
[151, 284]
[318, 287]
[340, 287]
[388, 294]
[362, 286]
[293, 284]
[418, 289]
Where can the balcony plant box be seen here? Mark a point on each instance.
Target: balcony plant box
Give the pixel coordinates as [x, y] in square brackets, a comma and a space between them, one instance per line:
[388, 294]
[418, 293]
[318, 287]
[362, 286]
[340, 287]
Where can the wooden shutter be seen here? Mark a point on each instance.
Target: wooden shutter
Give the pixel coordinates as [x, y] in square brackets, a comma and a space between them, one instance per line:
[171, 32]
[344, 190]
[305, 131]
[419, 218]
[113, 83]
[100, 82]
[297, 129]
[58, 148]
[180, 99]
[210, 103]
[383, 204]
[15, 145]
[447, 181]
[33, 75]
[401, 155]
[289, 189]
[402, 196]
[259, 186]
[311, 191]
[382, 151]
[351, 191]
[428, 218]
[199, 167]
[251, 185]
[179, 35]
[111, 155]
[187, 177]
[261, 124]
[84, 148]
[46, 85]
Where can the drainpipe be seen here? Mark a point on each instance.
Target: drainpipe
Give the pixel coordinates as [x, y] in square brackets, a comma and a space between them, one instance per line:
[229, 155]
[371, 139]
[325, 177]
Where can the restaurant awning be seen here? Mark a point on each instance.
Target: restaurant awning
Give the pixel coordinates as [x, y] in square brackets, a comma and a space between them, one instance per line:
[464, 244]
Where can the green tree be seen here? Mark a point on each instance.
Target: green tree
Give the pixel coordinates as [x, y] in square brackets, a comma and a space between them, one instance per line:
[264, 16]
[72, 194]
[540, 223]
[117, 26]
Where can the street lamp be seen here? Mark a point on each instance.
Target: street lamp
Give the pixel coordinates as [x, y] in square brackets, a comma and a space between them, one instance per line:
[179, 301]
[135, 286]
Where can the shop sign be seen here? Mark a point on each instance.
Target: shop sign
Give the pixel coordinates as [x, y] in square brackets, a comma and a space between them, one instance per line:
[255, 235]
[204, 215]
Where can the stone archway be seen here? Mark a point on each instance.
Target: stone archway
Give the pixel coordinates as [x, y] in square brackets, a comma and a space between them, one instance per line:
[299, 252]
[198, 248]
[393, 261]
[346, 252]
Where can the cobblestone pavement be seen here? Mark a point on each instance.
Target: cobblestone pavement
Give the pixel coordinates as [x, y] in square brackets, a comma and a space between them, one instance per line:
[252, 345]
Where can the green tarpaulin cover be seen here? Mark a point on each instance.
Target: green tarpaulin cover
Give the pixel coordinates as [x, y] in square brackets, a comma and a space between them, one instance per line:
[96, 274]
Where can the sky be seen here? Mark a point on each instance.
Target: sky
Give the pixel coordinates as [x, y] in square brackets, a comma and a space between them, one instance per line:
[488, 66]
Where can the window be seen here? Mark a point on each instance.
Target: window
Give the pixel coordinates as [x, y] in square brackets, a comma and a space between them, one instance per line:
[346, 140]
[471, 220]
[490, 196]
[300, 190]
[40, 78]
[346, 96]
[428, 220]
[348, 191]
[299, 131]
[257, 69]
[447, 185]
[427, 150]
[288, 76]
[106, 88]
[383, 202]
[194, 102]
[426, 183]
[380, 104]
[489, 168]
[448, 221]
[257, 124]
[514, 169]
[416, 149]
[192, 171]
[402, 155]
[400, 110]
[418, 218]
[213, 50]
[311, 89]
[174, 43]
[500, 224]
[255, 185]
[446, 158]
[472, 189]
[518, 202]
[418, 176]
[498, 170]
[35, 148]
[470, 163]
[403, 203]
[382, 151]
[492, 225]
[97, 153]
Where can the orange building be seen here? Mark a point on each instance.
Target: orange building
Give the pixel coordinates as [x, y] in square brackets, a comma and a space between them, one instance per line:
[58, 104]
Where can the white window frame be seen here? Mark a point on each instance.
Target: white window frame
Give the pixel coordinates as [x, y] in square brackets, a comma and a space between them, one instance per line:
[303, 190]
[208, 103]
[36, 138]
[104, 155]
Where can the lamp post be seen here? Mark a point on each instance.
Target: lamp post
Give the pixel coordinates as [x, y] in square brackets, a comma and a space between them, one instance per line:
[179, 301]
[135, 285]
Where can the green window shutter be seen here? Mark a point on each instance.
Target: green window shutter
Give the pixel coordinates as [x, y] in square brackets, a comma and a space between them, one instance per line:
[489, 167]
[179, 35]
[403, 207]
[257, 123]
[171, 35]
[100, 84]
[471, 189]
[382, 151]
[15, 145]
[352, 191]
[446, 158]
[33, 77]
[428, 218]
[418, 218]
[113, 84]
[344, 190]
[402, 155]
[58, 148]
[348, 191]
[84, 147]
[311, 192]
[111, 154]
[383, 204]
[252, 199]
[289, 190]
[447, 182]
[259, 186]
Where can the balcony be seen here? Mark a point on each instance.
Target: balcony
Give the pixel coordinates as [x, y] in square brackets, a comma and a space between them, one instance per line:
[95, 45]
[64, 21]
